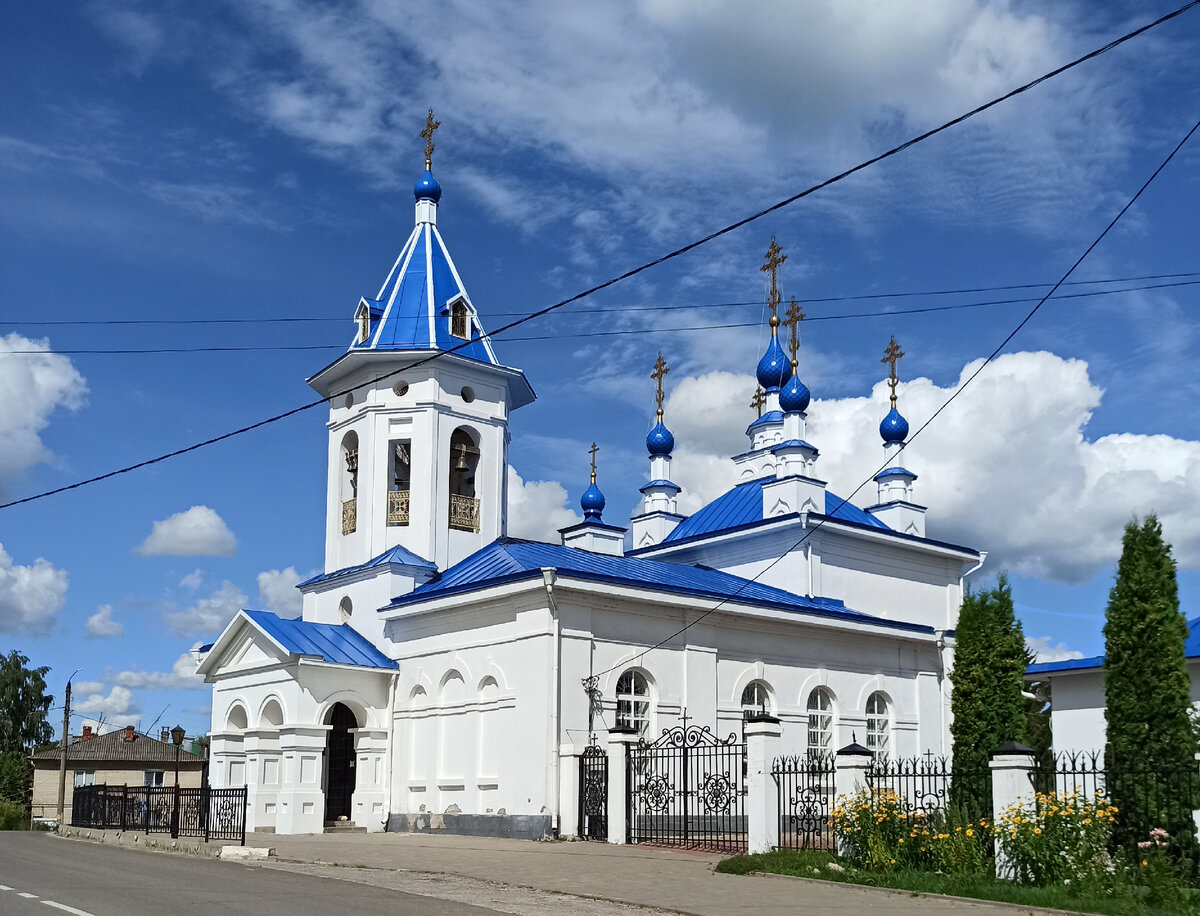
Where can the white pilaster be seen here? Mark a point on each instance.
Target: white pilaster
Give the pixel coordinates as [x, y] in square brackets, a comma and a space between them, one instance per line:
[301, 793]
[368, 802]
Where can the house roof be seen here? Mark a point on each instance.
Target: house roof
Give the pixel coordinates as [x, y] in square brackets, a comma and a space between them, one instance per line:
[512, 559]
[396, 556]
[1191, 649]
[338, 644]
[115, 749]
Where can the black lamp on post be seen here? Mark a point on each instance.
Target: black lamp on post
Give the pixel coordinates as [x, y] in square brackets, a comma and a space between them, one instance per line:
[177, 735]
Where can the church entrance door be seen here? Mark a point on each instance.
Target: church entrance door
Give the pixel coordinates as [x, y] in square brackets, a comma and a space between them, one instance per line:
[339, 763]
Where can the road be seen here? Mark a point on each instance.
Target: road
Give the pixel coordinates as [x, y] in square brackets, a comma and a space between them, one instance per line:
[41, 874]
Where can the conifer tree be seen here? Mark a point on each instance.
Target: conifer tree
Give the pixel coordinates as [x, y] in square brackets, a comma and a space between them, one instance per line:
[1151, 744]
[986, 697]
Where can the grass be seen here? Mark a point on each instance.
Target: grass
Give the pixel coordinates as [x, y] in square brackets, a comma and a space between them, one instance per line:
[1126, 901]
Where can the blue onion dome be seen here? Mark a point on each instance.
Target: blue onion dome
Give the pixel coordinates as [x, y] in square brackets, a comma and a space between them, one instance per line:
[794, 397]
[592, 502]
[427, 188]
[660, 441]
[894, 427]
[774, 369]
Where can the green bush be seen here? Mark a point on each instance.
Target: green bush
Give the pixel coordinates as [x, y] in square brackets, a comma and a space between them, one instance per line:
[13, 815]
[1053, 839]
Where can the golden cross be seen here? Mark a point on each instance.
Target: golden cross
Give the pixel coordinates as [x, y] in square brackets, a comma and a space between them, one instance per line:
[890, 355]
[793, 316]
[430, 126]
[760, 398]
[773, 259]
[593, 451]
[660, 370]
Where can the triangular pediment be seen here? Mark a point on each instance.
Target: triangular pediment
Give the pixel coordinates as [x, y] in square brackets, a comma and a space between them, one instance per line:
[242, 647]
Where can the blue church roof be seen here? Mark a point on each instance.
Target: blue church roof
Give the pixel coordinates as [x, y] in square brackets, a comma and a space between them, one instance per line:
[338, 644]
[395, 556]
[1191, 649]
[743, 505]
[512, 559]
[416, 298]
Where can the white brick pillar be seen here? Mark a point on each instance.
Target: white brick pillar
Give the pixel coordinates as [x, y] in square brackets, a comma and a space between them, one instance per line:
[620, 737]
[763, 744]
[850, 770]
[1013, 768]
[302, 787]
[370, 751]
[569, 789]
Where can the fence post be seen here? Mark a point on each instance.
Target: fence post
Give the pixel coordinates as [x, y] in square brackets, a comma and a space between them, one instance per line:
[1013, 767]
[620, 737]
[124, 805]
[763, 744]
[851, 764]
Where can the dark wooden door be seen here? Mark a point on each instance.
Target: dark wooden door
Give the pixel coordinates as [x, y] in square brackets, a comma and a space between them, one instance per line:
[339, 760]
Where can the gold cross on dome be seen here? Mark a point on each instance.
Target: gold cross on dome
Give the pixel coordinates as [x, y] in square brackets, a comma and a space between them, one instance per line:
[774, 257]
[660, 371]
[890, 356]
[430, 126]
[759, 399]
[792, 318]
[595, 448]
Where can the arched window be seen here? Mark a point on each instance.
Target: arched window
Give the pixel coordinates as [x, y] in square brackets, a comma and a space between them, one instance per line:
[820, 722]
[756, 699]
[460, 320]
[879, 726]
[633, 701]
[349, 482]
[464, 461]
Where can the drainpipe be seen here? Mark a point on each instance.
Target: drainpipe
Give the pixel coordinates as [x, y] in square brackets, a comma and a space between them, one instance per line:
[549, 576]
[388, 755]
[941, 644]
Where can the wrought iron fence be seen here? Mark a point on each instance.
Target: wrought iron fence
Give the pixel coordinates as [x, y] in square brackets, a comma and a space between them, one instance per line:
[806, 800]
[398, 504]
[687, 788]
[593, 793]
[921, 783]
[464, 513]
[211, 814]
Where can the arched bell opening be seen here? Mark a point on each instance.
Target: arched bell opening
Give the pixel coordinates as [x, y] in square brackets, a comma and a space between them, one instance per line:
[464, 462]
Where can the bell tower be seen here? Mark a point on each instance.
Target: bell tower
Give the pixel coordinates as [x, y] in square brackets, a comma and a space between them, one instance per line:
[418, 412]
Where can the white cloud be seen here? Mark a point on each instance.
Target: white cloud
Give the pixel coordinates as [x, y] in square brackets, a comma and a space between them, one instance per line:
[209, 616]
[182, 676]
[87, 686]
[118, 702]
[198, 532]
[192, 580]
[537, 509]
[1006, 468]
[277, 591]
[32, 385]
[102, 624]
[1044, 652]
[30, 596]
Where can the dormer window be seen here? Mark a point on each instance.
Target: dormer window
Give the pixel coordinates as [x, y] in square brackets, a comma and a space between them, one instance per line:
[364, 315]
[460, 320]
[364, 326]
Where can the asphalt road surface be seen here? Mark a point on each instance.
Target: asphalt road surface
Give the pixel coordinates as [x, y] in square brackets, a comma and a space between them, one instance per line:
[41, 875]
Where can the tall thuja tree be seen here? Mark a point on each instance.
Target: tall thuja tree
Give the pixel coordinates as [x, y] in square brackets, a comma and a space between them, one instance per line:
[1151, 743]
[986, 697]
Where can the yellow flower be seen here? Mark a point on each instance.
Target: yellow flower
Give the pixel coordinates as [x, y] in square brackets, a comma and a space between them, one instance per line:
[1087, 820]
[971, 832]
[902, 840]
[1143, 863]
[1037, 831]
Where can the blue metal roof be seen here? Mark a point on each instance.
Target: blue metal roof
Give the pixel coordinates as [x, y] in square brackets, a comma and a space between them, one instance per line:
[338, 644]
[1191, 649]
[395, 556]
[743, 505]
[511, 559]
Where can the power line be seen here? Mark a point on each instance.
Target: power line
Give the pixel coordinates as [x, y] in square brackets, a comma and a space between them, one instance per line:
[812, 300]
[886, 313]
[953, 396]
[632, 272]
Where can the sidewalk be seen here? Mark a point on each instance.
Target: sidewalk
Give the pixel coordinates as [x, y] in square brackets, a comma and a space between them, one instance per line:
[674, 881]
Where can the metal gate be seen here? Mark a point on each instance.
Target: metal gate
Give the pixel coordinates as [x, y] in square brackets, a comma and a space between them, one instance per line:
[593, 793]
[688, 789]
[806, 794]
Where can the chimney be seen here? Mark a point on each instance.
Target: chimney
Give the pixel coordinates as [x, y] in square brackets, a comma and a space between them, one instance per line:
[128, 732]
[87, 733]
[165, 736]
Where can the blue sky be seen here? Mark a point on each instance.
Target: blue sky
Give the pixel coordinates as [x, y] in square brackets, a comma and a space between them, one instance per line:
[168, 161]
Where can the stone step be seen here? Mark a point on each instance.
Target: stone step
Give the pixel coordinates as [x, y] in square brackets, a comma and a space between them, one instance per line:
[343, 827]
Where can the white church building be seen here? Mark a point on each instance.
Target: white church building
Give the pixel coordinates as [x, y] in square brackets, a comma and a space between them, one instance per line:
[445, 674]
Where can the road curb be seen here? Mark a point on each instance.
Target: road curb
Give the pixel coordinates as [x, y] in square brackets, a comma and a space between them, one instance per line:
[156, 843]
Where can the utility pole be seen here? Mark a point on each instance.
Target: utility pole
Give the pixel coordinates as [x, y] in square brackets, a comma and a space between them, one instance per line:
[62, 751]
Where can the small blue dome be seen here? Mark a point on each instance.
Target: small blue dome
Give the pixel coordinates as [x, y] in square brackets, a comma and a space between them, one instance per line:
[794, 397]
[774, 369]
[427, 188]
[592, 502]
[660, 441]
[894, 427]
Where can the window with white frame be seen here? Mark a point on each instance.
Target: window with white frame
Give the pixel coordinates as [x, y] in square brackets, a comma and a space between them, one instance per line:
[85, 778]
[756, 699]
[154, 778]
[820, 722]
[879, 726]
[633, 701]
